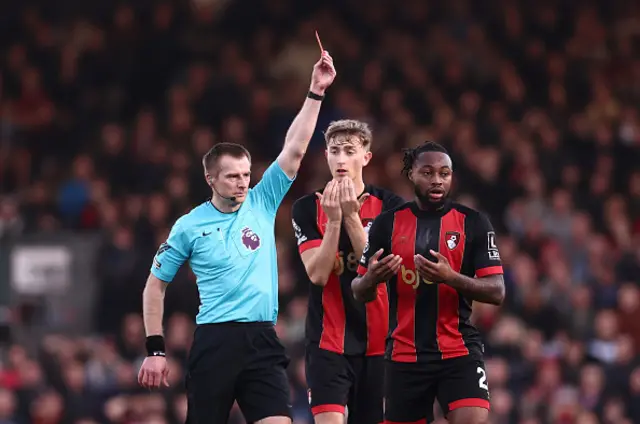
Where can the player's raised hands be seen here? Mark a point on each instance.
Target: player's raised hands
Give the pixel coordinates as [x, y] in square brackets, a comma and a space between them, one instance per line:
[323, 73]
[437, 272]
[381, 270]
[349, 201]
[153, 372]
[330, 201]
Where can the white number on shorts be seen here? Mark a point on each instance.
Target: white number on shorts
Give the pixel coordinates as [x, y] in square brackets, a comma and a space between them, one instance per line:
[482, 382]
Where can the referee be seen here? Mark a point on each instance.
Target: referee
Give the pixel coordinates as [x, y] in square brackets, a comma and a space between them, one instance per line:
[230, 244]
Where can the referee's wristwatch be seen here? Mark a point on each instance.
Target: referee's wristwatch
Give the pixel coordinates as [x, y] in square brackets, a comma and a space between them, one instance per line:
[315, 96]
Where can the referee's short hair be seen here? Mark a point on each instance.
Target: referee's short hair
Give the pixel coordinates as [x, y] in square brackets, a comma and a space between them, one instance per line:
[210, 159]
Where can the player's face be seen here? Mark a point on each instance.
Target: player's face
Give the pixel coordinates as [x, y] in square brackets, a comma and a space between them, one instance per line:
[233, 177]
[346, 157]
[431, 176]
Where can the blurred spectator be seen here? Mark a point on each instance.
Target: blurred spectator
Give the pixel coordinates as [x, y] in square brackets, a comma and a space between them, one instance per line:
[8, 407]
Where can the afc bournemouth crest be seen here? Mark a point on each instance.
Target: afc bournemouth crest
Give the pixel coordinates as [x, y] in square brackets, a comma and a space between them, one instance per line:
[452, 239]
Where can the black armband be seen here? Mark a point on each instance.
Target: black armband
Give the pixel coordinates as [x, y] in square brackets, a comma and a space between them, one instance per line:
[155, 346]
[314, 96]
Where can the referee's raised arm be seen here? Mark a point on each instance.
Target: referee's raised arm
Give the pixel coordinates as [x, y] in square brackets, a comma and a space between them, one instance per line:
[301, 130]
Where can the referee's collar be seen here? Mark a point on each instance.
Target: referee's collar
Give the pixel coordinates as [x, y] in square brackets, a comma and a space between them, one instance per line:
[210, 202]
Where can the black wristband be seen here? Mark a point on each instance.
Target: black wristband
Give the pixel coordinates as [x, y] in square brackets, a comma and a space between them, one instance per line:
[314, 96]
[155, 346]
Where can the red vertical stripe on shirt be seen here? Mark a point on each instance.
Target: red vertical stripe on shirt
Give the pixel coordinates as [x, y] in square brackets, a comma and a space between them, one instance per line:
[403, 243]
[452, 240]
[371, 208]
[378, 310]
[334, 319]
[377, 322]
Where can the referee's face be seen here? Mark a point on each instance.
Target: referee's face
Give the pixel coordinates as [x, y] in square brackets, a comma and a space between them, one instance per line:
[431, 176]
[232, 178]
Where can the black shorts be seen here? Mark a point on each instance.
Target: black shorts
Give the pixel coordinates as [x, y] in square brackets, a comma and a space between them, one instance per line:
[242, 362]
[411, 388]
[336, 381]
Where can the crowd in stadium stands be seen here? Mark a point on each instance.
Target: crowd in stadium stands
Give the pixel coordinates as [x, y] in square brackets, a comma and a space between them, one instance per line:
[107, 108]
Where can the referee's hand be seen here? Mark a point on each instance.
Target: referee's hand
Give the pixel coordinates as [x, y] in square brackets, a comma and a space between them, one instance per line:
[153, 372]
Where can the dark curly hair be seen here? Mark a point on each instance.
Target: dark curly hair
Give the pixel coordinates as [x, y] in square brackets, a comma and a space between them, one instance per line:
[411, 153]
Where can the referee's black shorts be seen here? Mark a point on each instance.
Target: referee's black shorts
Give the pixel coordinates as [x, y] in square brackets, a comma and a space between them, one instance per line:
[236, 361]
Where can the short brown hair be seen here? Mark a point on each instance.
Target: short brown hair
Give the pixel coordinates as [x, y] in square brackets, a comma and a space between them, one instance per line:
[344, 129]
[210, 159]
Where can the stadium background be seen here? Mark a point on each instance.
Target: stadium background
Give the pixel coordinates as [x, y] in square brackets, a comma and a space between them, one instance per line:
[106, 108]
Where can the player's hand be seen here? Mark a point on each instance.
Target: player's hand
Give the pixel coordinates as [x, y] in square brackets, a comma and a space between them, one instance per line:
[330, 201]
[437, 272]
[349, 201]
[323, 74]
[381, 270]
[153, 372]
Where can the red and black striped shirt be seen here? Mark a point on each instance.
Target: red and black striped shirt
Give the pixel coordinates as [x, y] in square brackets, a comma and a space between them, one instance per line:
[335, 320]
[430, 321]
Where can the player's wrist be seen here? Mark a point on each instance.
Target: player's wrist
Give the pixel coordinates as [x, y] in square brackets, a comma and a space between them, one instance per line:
[155, 346]
[352, 218]
[369, 279]
[450, 279]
